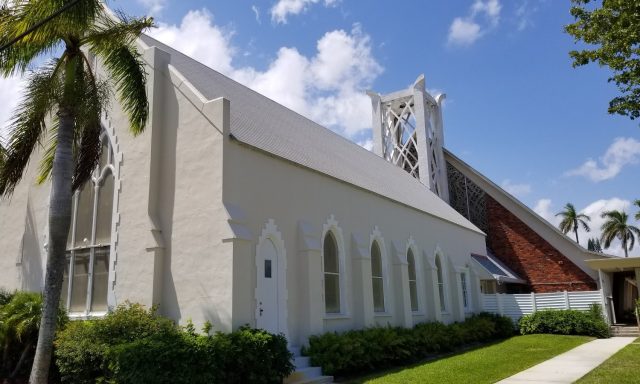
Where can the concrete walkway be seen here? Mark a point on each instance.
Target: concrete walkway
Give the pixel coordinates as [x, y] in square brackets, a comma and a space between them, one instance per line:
[572, 365]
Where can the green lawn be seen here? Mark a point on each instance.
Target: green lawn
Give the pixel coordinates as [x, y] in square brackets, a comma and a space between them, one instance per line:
[621, 368]
[482, 365]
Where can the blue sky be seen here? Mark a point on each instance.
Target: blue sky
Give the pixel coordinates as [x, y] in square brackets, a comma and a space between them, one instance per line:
[516, 110]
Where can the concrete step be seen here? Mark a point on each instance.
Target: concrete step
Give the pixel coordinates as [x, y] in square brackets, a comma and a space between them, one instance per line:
[301, 362]
[625, 331]
[306, 375]
[295, 350]
[316, 380]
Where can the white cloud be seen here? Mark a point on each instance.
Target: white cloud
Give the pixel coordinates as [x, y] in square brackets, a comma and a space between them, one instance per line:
[10, 91]
[483, 15]
[463, 32]
[327, 87]
[366, 144]
[594, 210]
[524, 15]
[489, 8]
[518, 190]
[622, 152]
[256, 11]
[199, 38]
[543, 208]
[153, 7]
[283, 8]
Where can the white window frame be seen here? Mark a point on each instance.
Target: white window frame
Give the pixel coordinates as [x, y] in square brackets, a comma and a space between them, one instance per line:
[97, 178]
[332, 225]
[441, 282]
[412, 256]
[464, 290]
[376, 236]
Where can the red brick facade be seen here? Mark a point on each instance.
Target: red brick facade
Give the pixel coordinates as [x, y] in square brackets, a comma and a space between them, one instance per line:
[530, 256]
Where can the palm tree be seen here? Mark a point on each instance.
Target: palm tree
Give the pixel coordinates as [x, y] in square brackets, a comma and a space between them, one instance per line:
[571, 220]
[66, 92]
[616, 227]
[636, 203]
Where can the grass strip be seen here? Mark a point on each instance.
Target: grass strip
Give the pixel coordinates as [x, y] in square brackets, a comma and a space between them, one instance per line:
[486, 364]
[621, 368]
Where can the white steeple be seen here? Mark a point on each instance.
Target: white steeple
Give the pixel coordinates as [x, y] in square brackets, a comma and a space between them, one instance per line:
[407, 131]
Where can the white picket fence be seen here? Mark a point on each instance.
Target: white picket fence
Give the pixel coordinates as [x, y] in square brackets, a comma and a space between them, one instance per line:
[517, 305]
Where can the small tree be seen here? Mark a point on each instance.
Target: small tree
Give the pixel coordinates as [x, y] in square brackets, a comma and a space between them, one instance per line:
[571, 220]
[616, 227]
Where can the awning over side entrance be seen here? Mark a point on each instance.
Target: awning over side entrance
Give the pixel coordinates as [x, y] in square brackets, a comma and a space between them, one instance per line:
[489, 267]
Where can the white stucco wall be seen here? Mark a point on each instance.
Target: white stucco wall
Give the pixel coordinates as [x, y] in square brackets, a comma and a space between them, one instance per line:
[266, 187]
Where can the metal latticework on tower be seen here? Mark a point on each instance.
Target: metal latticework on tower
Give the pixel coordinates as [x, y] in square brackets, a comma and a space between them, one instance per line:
[407, 131]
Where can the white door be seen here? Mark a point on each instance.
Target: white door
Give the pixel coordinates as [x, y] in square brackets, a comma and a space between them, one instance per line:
[267, 294]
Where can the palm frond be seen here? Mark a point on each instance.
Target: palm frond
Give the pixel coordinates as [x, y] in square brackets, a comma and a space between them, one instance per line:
[28, 124]
[637, 204]
[17, 19]
[125, 66]
[585, 226]
[46, 164]
[3, 153]
[582, 216]
[88, 128]
[88, 98]
[121, 31]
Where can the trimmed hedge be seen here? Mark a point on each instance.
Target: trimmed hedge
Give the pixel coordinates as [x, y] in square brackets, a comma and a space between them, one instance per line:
[565, 322]
[134, 345]
[360, 351]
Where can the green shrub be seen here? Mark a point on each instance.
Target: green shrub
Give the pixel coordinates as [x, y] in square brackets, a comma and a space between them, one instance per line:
[20, 314]
[135, 345]
[565, 322]
[359, 351]
[83, 347]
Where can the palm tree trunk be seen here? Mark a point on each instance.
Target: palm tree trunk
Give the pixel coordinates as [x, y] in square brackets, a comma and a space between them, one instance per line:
[59, 221]
[576, 231]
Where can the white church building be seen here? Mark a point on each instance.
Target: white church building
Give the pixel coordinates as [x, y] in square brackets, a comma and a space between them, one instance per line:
[234, 209]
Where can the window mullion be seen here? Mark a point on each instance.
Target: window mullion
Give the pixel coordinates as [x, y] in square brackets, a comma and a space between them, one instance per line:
[72, 257]
[92, 252]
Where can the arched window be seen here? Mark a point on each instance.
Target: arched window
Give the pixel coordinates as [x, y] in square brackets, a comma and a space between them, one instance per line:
[465, 292]
[413, 281]
[89, 242]
[331, 274]
[443, 306]
[377, 278]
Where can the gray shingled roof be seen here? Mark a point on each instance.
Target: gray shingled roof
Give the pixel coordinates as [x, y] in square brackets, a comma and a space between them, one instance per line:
[264, 124]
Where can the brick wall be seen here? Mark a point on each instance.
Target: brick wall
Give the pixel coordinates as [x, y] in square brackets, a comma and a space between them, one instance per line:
[530, 256]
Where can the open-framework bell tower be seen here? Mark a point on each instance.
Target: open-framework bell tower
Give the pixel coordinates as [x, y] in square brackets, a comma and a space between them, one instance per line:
[407, 131]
